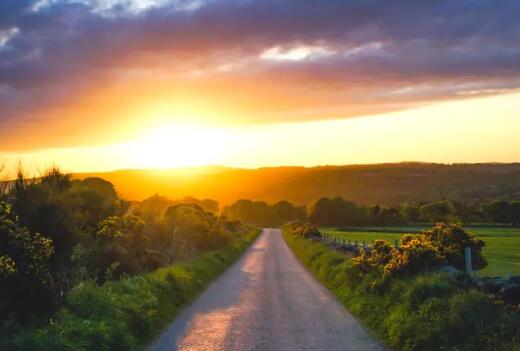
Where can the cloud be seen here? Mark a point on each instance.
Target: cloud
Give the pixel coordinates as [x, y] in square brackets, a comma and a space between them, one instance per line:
[303, 59]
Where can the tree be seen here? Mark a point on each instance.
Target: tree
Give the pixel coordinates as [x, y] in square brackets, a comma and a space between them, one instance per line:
[436, 212]
[121, 247]
[323, 212]
[27, 285]
[503, 212]
[202, 230]
[411, 213]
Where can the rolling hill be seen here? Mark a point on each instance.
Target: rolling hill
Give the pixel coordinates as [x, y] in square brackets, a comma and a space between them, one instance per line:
[377, 183]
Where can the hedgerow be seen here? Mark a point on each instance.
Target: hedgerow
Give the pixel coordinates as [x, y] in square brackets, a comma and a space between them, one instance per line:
[422, 310]
[126, 314]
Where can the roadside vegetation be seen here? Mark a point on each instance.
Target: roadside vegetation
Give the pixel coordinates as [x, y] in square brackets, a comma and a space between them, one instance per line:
[80, 268]
[414, 297]
[502, 249]
[495, 222]
[127, 313]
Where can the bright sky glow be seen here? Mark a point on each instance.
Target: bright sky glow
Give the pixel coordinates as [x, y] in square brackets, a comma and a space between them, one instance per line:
[474, 130]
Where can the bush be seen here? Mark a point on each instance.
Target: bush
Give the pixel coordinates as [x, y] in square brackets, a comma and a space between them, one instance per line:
[415, 254]
[27, 287]
[451, 240]
[305, 230]
[125, 314]
[420, 311]
[442, 245]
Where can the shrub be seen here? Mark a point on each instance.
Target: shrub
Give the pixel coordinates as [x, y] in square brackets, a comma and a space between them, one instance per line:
[443, 244]
[124, 315]
[451, 240]
[305, 230]
[27, 286]
[420, 311]
[416, 253]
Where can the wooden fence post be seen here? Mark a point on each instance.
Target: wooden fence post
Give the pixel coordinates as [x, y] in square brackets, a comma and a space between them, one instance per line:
[467, 255]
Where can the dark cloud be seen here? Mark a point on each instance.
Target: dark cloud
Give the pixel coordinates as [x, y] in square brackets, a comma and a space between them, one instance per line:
[382, 53]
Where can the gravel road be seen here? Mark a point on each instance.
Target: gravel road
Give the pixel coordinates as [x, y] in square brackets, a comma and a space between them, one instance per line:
[266, 301]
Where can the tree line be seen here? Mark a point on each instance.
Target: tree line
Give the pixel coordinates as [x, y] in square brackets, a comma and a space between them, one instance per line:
[259, 212]
[340, 212]
[57, 232]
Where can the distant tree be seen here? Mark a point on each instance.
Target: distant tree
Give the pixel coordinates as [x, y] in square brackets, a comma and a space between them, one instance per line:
[153, 208]
[503, 212]
[323, 212]
[436, 212]
[411, 213]
[95, 199]
[199, 228]
[336, 212]
[515, 213]
[389, 216]
[207, 205]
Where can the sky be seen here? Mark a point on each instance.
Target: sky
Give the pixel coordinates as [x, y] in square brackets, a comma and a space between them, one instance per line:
[96, 85]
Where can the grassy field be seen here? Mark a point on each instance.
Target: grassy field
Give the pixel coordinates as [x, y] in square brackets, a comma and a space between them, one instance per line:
[502, 244]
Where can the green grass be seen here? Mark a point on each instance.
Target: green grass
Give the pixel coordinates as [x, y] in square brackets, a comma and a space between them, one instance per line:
[128, 313]
[502, 244]
[429, 311]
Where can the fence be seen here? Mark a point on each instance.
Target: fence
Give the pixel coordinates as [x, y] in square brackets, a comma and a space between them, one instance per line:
[342, 241]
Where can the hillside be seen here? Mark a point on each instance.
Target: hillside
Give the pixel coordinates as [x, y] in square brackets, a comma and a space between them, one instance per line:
[378, 183]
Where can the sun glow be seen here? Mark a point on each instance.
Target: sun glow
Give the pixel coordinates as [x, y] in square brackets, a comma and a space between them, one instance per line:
[431, 133]
[178, 145]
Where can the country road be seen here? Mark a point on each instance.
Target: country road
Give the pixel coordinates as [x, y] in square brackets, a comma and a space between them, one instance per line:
[266, 301]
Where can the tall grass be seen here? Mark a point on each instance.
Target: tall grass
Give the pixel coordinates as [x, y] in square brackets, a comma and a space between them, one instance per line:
[126, 314]
[430, 311]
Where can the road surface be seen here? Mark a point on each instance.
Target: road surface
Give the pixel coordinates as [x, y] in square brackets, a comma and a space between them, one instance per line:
[266, 301]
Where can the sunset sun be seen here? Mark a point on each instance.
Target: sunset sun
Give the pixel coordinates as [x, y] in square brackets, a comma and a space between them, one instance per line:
[178, 145]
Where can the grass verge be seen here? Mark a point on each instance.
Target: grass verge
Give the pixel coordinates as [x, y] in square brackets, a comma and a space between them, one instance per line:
[429, 311]
[127, 314]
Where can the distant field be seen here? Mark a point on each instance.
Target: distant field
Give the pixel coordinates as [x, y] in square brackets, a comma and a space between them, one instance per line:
[502, 244]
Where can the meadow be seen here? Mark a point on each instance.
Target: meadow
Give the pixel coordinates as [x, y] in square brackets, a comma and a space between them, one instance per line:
[502, 249]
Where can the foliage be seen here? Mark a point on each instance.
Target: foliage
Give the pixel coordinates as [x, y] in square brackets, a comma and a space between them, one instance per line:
[305, 230]
[153, 208]
[202, 229]
[441, 245]
[436, 212]
[424, 311]
[451, 240]
[415, 254]
[340, 212]
[89, 234]
[121, 248]
[259, 212]
[503, 212]
[126, 314]
[27, 285]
